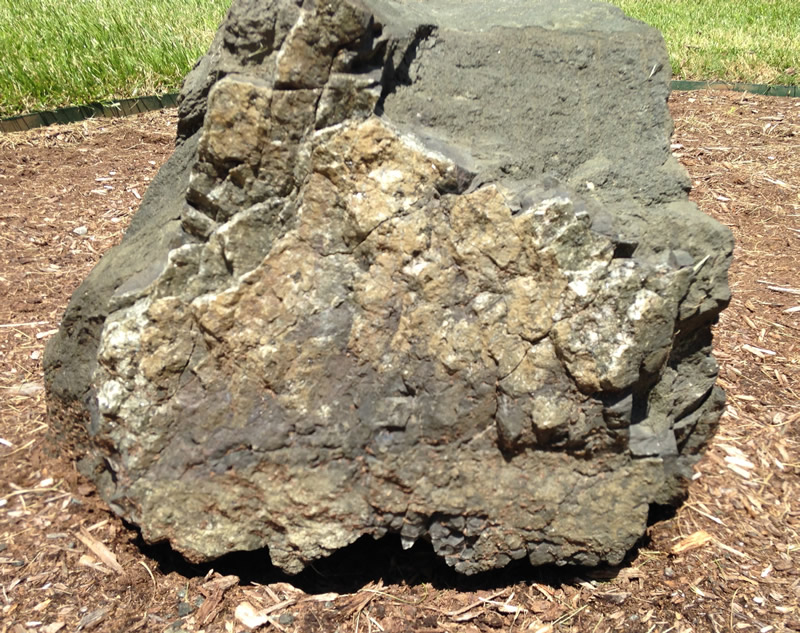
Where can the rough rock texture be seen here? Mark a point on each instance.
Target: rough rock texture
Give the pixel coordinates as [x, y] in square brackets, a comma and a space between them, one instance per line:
[421, 267]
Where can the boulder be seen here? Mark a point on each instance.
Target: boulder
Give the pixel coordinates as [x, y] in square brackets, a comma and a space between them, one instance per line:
[416, 267]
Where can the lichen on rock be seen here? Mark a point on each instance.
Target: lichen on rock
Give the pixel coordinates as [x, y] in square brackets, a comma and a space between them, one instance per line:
[375, 291]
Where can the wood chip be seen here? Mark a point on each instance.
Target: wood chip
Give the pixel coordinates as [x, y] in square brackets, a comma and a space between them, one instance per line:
[92, 619]
[693, 541]
[247, 614]
[25, 389]
[793, 291]
[478, 603]
[23, 324]
[214, 590]
[99, 550]
[324, 597]
[707, 515]
[285, 588]
[278, 606]
[42, 605]
[360, 604]
[730, 549]
[613, 597]
[739, 461]
[90, 561]
[739, 471]
[222, 583]
[758, 351]
[506, 607]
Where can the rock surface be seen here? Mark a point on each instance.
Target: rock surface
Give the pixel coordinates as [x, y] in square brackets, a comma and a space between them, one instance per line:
[426, 268]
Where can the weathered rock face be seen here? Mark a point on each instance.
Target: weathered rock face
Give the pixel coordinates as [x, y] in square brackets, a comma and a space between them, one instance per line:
[416, 267]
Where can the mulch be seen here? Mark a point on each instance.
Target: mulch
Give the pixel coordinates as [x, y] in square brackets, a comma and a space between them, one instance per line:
[727, 560]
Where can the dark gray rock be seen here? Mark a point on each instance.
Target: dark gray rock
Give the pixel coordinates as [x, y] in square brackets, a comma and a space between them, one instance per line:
[426, 268]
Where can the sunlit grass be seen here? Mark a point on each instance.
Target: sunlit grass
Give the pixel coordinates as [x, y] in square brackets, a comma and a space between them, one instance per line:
[68, 52]
[751, 41]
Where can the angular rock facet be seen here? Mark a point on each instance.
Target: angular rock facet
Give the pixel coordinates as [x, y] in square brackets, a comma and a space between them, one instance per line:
[426, 268]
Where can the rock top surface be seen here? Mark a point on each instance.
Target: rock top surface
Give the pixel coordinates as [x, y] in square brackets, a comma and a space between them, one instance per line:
[425, 268]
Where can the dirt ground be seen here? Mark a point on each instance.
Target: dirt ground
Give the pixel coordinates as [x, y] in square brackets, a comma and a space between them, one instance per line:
[727, 560]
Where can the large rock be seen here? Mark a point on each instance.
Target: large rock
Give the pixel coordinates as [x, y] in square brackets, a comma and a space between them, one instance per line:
[426, 268]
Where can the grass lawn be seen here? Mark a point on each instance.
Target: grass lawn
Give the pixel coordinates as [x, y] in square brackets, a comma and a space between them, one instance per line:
[70, 52]
[751, 41]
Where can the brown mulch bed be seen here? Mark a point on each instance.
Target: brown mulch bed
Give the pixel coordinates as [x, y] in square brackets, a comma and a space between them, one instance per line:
[728, 560]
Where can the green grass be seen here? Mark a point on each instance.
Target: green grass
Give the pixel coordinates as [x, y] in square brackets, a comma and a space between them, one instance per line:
[751, 41]
[68, 52]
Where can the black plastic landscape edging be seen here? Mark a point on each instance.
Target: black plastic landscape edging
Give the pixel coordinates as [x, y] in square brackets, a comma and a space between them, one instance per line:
[756, 89]
[128, 107]
[75, 114]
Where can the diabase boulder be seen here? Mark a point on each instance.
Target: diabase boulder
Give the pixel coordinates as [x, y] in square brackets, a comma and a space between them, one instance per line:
[415, 267]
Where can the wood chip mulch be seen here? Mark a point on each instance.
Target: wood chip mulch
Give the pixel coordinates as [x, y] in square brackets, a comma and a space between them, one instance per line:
[727, 560]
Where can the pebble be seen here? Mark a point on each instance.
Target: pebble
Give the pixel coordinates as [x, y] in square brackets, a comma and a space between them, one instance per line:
[80, 230]
[286, 619]
[184, 608]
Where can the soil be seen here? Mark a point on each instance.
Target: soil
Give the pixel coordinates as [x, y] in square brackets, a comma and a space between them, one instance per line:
[727, 560]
